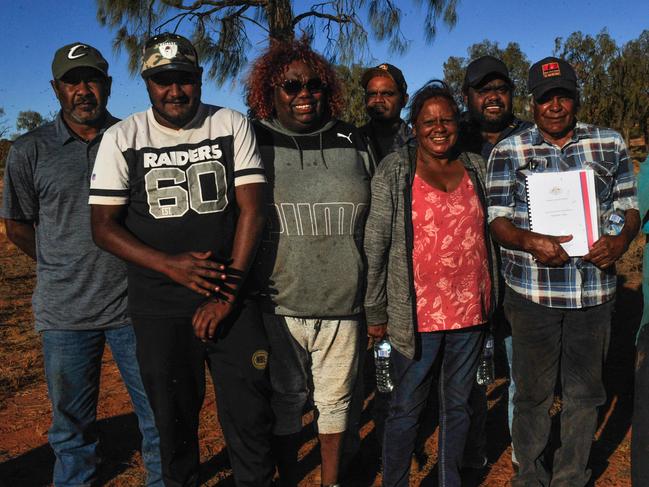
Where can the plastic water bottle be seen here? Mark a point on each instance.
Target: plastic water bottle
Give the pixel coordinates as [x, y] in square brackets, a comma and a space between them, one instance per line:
[382, 352]
[485, 375]
[614, 223]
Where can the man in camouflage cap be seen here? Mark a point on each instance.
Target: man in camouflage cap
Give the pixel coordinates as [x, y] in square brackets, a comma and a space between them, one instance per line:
[169, 52]
[175, 190]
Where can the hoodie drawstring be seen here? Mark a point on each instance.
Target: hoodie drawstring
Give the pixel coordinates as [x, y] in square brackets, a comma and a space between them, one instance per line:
[322, 153]
[299, 148]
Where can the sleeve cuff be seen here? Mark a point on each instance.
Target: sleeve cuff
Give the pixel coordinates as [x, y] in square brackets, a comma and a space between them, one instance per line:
[499, 211]
[376, 315]
[624, 204]
[107, 200]
[249, 179]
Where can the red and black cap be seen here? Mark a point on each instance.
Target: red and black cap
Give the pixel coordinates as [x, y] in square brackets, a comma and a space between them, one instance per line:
[550, 73]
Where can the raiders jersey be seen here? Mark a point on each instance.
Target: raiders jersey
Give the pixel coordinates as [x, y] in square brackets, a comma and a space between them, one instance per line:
[179, 189]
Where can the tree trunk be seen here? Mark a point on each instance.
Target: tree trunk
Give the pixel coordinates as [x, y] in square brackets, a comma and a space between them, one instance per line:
[280, 20]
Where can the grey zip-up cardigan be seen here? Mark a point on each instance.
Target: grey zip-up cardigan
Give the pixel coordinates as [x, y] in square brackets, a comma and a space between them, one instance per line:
[390, 296]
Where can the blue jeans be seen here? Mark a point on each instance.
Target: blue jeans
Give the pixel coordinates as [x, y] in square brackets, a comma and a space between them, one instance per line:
[461, 351]
[551, 343]
[72, 369]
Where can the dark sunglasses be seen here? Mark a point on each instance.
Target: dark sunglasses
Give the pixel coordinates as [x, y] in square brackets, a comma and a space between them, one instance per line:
[168, 78]
[293, 86]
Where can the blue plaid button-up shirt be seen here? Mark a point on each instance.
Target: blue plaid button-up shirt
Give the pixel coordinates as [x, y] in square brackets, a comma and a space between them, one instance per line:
[576, 284]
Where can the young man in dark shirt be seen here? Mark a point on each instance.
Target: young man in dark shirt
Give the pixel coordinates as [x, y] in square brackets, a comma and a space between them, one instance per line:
[385, 96]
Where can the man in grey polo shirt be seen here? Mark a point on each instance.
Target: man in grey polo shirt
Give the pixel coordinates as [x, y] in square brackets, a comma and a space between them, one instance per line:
[80, 298]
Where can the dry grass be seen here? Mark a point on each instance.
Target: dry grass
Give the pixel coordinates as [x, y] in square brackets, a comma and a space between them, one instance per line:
[21, 363]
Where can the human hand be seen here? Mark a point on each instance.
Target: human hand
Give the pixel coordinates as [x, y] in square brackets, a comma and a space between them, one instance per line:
[208, 316]
[377, 332]
[192, 269]
[606, 250]
[547, 249]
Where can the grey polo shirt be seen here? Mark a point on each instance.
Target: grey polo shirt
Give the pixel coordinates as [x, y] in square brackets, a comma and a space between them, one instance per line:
[47, 179]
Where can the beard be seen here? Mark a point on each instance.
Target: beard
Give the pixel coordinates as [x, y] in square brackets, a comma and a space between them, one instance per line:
[489, 123]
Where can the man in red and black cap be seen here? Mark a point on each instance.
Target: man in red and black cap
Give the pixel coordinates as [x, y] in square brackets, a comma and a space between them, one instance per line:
[559, 306]
[386, 94]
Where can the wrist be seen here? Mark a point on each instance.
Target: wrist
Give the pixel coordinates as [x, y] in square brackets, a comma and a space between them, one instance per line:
[162, 264]
[525, 241]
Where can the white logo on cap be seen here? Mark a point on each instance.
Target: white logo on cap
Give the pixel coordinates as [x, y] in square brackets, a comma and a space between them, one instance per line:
[73, 49]
[168, 49]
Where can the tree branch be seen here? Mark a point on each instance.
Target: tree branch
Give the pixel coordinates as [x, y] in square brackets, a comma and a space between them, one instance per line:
[221, 4]
[340, 19]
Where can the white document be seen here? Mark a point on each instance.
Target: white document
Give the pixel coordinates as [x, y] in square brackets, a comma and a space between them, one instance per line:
[564, 203]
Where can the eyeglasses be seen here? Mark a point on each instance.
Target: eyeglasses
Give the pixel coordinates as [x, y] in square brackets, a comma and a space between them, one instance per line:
[293, 86]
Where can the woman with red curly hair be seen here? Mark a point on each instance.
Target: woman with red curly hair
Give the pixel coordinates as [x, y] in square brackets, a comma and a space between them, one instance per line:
[309, 265]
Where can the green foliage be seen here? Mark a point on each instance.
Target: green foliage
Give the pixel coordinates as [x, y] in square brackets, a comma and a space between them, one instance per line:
[613, 81]
[28, 120]
[354, 94]
[511, 55]
[221, 29]
[591, 57]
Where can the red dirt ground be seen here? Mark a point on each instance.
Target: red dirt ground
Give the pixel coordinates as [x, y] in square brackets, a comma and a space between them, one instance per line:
[26, 459]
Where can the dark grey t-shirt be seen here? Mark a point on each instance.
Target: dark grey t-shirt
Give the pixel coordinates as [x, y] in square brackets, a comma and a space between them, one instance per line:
[47, 178]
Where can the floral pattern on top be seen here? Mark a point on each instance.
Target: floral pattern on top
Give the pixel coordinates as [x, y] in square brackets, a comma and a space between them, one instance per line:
[451, 271]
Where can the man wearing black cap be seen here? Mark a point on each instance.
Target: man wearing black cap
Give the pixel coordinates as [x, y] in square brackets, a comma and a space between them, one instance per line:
[489, 118]
[80, 298]
[386, 93]
[559, 307]
[175, 190]
[488, 96]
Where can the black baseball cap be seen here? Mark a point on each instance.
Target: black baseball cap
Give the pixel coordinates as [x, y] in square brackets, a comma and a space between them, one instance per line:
[387, 71]
[169, 52]
[550, 73]
[77, 55]
[480, 68]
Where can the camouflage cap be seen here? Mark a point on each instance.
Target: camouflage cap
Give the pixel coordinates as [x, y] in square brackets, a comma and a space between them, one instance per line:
[77, 55]
[169, 52]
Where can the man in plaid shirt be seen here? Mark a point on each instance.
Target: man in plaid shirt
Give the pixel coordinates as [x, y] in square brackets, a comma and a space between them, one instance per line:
[559, 307]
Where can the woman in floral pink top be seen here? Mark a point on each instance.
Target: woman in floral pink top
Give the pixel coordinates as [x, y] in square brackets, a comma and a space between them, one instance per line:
[431, 280]
[451, 271]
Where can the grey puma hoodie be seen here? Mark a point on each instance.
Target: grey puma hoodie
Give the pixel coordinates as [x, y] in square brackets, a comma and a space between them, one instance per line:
[310, 261]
